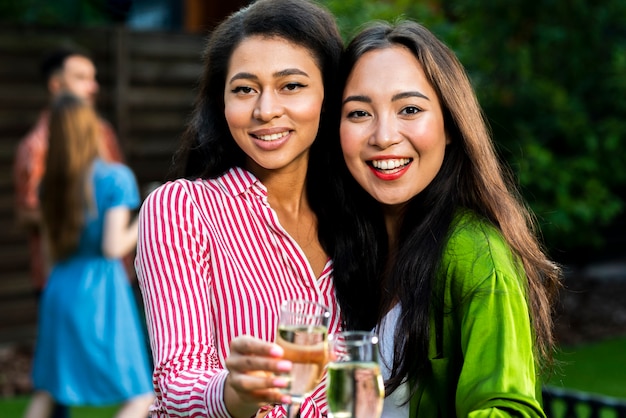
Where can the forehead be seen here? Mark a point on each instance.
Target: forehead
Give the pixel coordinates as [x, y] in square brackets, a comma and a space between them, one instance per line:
[78, 63]
[387, 60]
[260, 53]
[387, 69]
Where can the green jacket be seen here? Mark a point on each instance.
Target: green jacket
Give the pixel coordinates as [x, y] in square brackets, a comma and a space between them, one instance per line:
[481, 343]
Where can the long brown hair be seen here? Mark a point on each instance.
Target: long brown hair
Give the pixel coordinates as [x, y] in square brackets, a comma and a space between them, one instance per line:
[65, 190]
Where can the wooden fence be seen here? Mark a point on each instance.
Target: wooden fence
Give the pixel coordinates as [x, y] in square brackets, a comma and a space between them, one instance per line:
[147, 87]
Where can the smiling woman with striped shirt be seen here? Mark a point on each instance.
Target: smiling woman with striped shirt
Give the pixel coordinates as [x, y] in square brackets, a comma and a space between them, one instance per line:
[248, 224]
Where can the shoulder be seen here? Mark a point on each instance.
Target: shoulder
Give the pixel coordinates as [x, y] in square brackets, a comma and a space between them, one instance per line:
[115, 179]
[175, 193]
[476, 254]
[472, 233]
[106, 127]
[36, 139]
[113, 169]
[231, 184]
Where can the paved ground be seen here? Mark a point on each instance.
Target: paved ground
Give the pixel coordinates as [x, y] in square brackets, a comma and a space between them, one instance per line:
[592, 304]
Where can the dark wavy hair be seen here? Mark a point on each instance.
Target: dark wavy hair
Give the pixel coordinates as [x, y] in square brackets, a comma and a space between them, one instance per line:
[472, 176]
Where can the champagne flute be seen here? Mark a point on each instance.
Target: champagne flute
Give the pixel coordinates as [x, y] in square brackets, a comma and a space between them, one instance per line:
[302, 332]
[355, 386]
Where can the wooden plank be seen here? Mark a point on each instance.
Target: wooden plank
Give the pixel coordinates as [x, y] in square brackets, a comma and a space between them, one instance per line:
[21, 310]
[36, 38]
[13, 258]
[160, 97]
[121, 65]
[155, 150]
[165, 45]
[15, 283]
[149, 170]
[12, 236]
[22, 95]
[165, 73]
[20, 333]
[154, 122]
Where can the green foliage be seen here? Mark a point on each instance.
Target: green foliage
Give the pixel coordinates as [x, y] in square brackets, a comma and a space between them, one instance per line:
[353, 14]
[554, 95]
[56, 13]
[551, 76]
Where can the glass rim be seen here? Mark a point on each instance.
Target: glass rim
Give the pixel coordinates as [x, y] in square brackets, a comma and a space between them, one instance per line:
[312, 312]
[359, 336]
[287, 302]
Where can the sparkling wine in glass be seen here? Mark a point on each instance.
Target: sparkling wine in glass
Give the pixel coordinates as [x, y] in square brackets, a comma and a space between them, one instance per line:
[302, 332]
[355, 386]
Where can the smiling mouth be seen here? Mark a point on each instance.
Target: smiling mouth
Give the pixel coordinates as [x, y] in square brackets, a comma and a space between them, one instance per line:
[272, 137]
[390, 166]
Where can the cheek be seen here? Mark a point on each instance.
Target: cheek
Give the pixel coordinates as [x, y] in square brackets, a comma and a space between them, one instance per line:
[305, 111]
[349, 140]
[234, 115]
[428, 138]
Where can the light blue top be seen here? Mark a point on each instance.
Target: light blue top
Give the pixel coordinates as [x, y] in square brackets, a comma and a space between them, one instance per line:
[91, 347]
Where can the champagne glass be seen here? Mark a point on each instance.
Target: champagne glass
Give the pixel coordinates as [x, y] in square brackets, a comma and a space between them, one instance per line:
[302, 332]
[355, 386]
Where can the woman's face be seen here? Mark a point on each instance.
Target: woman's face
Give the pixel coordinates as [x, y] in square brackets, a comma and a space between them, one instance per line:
[273, 99]
[392, 129]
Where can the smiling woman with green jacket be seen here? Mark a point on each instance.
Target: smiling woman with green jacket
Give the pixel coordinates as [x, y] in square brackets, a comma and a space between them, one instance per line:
[438, 252]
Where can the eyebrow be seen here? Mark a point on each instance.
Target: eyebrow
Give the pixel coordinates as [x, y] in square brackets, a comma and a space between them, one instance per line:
[277, 74]
[403, 95]
[406, 94]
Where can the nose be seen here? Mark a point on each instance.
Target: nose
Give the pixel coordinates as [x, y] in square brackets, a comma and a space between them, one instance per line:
[385, 133]
[267, 107]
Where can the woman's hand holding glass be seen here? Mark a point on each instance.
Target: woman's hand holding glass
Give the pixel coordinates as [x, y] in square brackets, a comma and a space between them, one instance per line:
[255, 369]
[262, 373]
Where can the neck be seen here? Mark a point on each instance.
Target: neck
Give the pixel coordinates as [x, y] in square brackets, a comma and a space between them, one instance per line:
[286, 189]
[393, 217]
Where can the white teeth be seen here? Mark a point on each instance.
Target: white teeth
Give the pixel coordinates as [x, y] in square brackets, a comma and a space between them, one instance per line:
[272, 137]
[390, 164]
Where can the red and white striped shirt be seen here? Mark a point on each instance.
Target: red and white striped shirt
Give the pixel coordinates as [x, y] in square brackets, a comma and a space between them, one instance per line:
[213, 263]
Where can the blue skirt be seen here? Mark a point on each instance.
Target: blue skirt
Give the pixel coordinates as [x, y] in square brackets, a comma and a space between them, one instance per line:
[91, 347]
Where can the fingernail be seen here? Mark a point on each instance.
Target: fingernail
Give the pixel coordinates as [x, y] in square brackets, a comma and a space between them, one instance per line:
[277, 351]
[280, 382]
[286, 399]
[284, 366]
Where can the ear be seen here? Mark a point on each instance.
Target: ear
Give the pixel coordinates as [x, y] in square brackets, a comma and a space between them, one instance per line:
[54, 85]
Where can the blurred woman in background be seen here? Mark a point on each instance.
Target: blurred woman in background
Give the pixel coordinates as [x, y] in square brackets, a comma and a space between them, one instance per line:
[90, 348]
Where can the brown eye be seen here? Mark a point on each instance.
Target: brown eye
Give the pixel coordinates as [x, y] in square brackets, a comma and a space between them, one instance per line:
[242, 89]
[355, 114]
[410, 110]
[294, 86]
